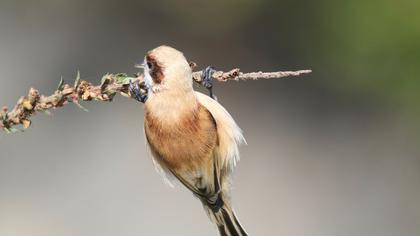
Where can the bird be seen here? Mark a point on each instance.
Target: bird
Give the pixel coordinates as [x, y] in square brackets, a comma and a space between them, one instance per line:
[191, 136]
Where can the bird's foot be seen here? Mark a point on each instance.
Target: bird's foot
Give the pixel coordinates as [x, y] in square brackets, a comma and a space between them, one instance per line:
[208, 80]
[136, 92]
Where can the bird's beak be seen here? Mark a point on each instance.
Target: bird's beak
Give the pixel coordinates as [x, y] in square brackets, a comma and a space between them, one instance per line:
[140, 66]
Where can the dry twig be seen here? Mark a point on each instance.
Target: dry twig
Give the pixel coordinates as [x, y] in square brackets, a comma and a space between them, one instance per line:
[111, 84]
[236, 74]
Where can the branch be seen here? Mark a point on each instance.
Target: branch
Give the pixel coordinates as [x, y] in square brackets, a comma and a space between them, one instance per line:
[236, 74]
[111, 84]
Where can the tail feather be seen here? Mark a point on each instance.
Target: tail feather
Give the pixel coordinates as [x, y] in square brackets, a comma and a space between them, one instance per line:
[226, 221]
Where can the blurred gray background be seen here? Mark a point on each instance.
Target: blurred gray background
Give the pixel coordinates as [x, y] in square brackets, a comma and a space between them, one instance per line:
[332, 153]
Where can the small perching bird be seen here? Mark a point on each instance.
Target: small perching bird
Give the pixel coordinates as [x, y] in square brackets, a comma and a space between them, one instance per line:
[191, 136]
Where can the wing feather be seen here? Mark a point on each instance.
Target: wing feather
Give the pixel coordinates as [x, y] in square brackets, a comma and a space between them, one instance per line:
[229, 134]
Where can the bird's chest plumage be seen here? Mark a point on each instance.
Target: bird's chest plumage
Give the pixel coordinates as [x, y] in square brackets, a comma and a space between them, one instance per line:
[184, 142]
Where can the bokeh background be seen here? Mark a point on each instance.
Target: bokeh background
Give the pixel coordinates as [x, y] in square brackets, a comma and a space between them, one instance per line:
[332, 153]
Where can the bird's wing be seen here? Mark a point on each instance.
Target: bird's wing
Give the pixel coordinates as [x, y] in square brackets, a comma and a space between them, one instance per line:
[209, 187]
[186, 150]
[164, 172]
[229, 133]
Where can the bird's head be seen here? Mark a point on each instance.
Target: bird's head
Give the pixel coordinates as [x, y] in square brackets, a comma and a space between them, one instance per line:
[166, 69]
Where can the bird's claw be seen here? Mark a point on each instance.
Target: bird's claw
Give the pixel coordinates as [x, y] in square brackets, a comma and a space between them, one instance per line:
[136, 92]
[207, 75]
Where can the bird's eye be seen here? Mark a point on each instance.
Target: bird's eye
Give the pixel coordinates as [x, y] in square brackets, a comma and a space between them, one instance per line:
[149, 65]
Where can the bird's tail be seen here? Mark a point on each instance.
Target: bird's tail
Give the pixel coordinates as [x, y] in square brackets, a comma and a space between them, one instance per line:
[224, 217]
